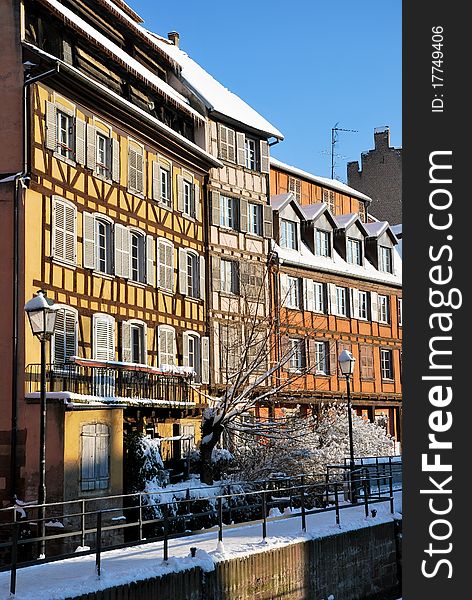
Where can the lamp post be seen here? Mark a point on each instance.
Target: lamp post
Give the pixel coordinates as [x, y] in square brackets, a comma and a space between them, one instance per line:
[42, 317]
[346, 364]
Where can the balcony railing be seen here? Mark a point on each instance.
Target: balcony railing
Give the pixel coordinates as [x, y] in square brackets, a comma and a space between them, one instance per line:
[111, 382]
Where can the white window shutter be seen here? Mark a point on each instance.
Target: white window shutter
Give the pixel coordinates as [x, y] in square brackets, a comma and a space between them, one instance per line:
[222, 142]
[205, 360]
[80, 141]
[265, 164]
[58, 339]
[284, 289]
[185, 337]
[102, 456]
[91, 147]
[354, 303]
[243, 210]
[126, 354]
[268, 224]
[88, 240]
[374, 306]
[88, 457]
[115, 160]
[51, 126]
[183, 287]
[140, 172]
[215, 208]
[156, 180]
[122, 250]
[309, 295]
[104, 337]
[180, 193]
[198, 204]
[145, 352]
[332, 299]
[202, 277]
[240, 149]
[150, 260]
[231, 144]
[70, 234]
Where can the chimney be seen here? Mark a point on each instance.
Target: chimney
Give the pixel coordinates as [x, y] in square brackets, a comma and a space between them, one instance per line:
[382, 137]
[174, 37]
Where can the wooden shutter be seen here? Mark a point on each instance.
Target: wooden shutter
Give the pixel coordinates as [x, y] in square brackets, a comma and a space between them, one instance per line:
[222, 142]
[198, 204]
[88, 458]
[59, 337]
[80, 141]
[354, 294]
[265, 164]
[332, 299]
[150, 260]
[241, 149]
[140, 171]
[231, 144]
[215, 208]
[63, 236]
[185, 337]
[156, 180]
[132, 168]
[102, 456]
[104, 337]
[374, 306]
[180, 193]
[284, 289]
[309, 294]
[332, 356]
[201, 273]
[243, 217]
[366, 359]
[165, 265]
[205, 360]
[122, 251]
[115, 160]
[91, 147]
[216, 273]
[183, 286]
[126, 353]
[268, 224]
[88, 240]
[51, 126]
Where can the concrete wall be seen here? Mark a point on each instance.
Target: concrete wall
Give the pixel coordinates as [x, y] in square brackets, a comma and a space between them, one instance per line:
[362, 564]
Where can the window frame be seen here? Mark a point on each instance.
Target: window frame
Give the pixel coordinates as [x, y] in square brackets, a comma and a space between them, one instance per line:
[230, 267]
[386, 366]
[165, 173]
[383, 302]
[103, 170]
[365, 303]
[136, 234]
[319, 297]
[344, 299]
[385, 259]
[400, 311]
[193, 274]
[70, 145]
[294, 293]
[322, 243]
[102, 220]
[297, 361]
[250, 154]
[354, 258]
[229, 212]
[254, 219]
[287, 226]
[321, 349]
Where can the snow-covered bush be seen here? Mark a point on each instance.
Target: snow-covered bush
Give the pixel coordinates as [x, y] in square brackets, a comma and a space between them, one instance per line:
[221, 459]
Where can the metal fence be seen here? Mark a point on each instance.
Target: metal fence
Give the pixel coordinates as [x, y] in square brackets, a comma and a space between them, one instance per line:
[99, 524]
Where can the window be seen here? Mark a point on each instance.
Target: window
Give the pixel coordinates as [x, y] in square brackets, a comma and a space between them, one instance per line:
[65, 135]
[384, 309]
[103, 164]
[297, 351]
[385, 259]
[166, 341]
[64, 340]
[229, 216]
[226, 143]
[95, 455]
[321, 358]
[341, 301]
[165, 186]
[104, 246]
[165, 265]
[400, 311]
[192, 354]
[250, 154]
[255, 219]
[134, 342]
[191, 274]
[135, 168]
[366, 362]
[295, 186]
[289, 235]
[329, 199]
[319, 297]
[230, 276]
[363, 311]
[137, 266]
[386, 363]
[103, 337]
[189, 199]
[322, 243]
[354, 251]
[64, 234]
[294, 293]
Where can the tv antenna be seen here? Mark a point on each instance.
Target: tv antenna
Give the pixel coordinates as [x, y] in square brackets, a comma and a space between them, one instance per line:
[334, 139]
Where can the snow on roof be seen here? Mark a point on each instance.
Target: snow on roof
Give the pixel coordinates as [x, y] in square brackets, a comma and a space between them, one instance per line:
[345, 221]
[125, 59]
[126, 9]
[279, 201]
[337, 265]
[397, 229]
[376, 229]
[216, 97]
[313, 211]
[132, 107]
[331, 183]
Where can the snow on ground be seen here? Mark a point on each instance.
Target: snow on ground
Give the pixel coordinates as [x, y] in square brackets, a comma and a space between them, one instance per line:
[74, 576]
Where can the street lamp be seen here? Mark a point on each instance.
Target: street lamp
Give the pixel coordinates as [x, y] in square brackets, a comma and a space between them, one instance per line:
[42, 317]
[346, 364]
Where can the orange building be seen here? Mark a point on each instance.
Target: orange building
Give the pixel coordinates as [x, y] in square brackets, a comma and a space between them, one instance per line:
[337, 281]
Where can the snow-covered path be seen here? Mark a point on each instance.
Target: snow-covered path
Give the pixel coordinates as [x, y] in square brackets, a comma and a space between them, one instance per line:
[58, 580]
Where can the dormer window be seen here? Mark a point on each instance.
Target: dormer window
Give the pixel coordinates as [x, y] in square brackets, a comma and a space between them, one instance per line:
[354, 251]
[322, 243]
[289, 234]
[385, 259]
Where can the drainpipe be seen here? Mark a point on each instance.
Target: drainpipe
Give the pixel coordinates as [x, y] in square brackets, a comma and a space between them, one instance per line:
[21, 183]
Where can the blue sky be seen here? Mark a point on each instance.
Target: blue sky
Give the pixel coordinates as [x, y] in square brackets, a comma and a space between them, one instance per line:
[305, 65]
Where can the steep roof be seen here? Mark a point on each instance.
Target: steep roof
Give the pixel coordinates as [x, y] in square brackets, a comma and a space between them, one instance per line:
[217, 98]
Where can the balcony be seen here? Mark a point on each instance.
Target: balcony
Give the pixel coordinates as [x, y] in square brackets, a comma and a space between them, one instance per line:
[127, 384]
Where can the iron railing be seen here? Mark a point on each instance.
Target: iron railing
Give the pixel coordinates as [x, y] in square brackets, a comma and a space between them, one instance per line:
[109, 382]
[88, 521]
